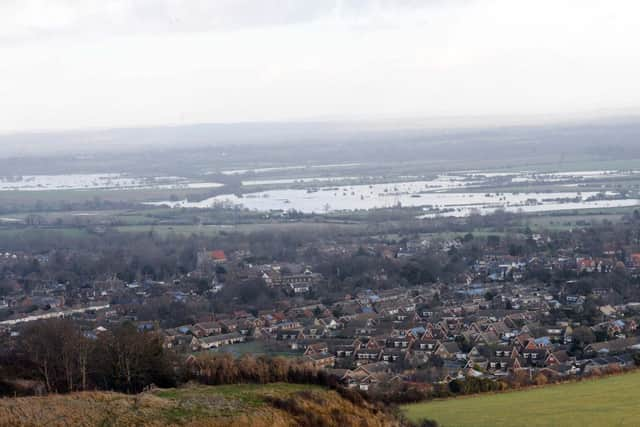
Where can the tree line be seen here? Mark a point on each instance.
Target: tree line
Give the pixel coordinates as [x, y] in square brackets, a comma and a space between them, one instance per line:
[59, 357]
[56, 356]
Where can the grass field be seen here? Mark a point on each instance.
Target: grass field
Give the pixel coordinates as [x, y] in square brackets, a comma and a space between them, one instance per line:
[255, 348]
[213, 229]
[608, 401]
[570, 221]
[53, 232]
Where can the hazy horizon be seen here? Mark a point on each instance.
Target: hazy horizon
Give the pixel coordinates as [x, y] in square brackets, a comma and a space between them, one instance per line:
[554, 133]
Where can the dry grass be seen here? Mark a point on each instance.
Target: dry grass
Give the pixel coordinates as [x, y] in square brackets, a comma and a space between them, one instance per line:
[81, 409]
[229, 406]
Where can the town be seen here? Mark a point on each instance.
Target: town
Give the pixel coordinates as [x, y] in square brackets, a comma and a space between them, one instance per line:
[376, 311]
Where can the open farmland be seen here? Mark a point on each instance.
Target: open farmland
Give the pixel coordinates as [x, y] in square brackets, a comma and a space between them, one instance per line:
[603, 402]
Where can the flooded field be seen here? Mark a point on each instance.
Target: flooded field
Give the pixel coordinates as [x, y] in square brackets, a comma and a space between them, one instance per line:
[456, 194]
[286, 188]
[96, 181]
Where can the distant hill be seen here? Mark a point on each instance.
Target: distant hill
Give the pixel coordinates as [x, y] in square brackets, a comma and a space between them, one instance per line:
[275, 405]
[211, 147]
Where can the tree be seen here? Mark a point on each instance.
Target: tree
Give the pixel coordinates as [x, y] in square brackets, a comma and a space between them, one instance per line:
[59, 350]
[583, 336]
[493, 240]
[127, 360]
[488, 296]
[435, 301]
[436, 361]
[541, 379]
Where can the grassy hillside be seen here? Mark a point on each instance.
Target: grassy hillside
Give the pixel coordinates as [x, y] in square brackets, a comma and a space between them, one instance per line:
[238, 405]
[609, 401]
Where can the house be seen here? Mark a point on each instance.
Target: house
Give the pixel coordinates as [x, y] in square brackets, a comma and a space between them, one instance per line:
[289, 334]
[449, 350]
[177, 340]
[535, 357]
[612, 346]
[306, 278]
[228, 325]
[299, 288]
[503, 364]
[346, 350]
[320, 360]
[366, 377]
[608, 362]
[205, 329]
[218, 257]
[216, 341]
[425, 346]
[364, 355]
[392, 355]
[567, 368]
[316, 348]
[403, 342]
[586, 265]
[206, 259]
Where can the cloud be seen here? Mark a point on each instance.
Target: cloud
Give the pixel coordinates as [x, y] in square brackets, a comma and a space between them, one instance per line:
[70, 64]
[27, 19]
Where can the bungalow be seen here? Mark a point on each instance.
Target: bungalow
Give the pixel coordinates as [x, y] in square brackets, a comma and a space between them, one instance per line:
[608, 362]
[613, 346]
[216, 341]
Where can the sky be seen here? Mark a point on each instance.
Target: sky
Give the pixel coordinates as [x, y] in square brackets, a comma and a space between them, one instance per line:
[82, 64]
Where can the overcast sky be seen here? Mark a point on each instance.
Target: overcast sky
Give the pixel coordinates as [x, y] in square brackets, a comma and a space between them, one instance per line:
[72, 64]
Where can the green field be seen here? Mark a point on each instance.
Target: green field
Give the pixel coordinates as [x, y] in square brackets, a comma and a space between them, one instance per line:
[611, 401]
[213, 229]
[256, 348]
